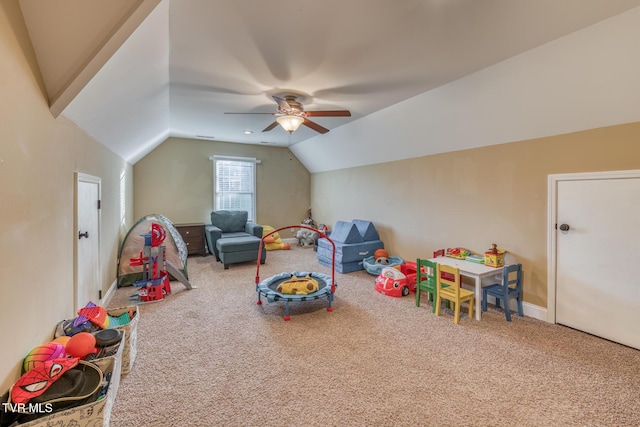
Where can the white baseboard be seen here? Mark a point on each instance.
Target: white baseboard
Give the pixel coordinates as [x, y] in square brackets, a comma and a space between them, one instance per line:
[107, 296]
[530, 310]
[291, 240]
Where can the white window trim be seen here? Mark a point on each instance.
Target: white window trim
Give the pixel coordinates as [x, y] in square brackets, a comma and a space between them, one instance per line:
[255, 183]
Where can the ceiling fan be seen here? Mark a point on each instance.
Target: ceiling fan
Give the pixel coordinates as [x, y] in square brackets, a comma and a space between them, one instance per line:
[291, 115]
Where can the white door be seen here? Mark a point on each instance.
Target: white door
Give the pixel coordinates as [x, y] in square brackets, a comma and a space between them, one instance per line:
[597, 284]
[87, 236]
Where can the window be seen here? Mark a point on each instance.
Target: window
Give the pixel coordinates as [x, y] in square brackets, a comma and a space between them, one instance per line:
[234, 184]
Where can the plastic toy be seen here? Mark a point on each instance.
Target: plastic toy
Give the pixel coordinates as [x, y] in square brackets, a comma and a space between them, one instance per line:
[94, 314]
[81, 345]
[42, 353]
[269, 287]
[373, 267]
[64, 339]
[155, 282]
[459, 253]
[397, 281]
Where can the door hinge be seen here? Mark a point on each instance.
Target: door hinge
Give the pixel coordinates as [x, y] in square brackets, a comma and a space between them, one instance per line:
[99, 204]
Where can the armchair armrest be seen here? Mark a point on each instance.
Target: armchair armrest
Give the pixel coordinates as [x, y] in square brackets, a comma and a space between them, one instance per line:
[212, 234]
[254, 229]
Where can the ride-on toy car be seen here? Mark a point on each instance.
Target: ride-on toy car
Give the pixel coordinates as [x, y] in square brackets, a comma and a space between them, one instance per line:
[397, 281]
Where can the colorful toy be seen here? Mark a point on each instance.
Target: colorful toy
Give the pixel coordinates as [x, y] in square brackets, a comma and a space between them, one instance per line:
[494, 257]
[94, 314]
[81, 345]
[64, 339]
[42, 353]
[36, 381]
[397, 281]
[459, 253]
[155, 284]
[373, 266]
[326, 285]
[274, 241]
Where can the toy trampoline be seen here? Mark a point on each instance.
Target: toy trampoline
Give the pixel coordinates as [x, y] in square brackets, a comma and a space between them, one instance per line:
[272, 287]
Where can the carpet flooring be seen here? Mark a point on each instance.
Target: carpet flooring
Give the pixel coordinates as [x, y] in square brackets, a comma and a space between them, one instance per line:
[212, 357]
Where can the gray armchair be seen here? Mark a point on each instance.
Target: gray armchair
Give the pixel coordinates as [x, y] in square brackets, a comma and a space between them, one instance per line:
[232, 239]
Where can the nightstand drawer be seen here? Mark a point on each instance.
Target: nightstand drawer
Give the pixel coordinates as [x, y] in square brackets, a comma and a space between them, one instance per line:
[191, 231]
[193, 236]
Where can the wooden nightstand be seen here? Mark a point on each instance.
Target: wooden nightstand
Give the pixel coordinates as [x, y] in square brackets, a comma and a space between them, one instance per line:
[193, 236]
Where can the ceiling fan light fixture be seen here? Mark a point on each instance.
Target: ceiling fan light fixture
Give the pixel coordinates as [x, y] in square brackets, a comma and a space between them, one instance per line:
[290, 123]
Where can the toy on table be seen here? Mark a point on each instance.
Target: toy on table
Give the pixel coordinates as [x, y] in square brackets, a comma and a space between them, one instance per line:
[459, 253]
[494, 257]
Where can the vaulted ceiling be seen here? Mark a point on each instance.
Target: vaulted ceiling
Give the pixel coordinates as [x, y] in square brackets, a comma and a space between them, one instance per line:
[133, 72]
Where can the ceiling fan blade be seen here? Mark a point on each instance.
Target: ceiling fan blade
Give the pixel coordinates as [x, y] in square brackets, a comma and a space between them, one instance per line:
[271, 126]
[282, 104]
[315, 126]
[329, 113]
[272, 114]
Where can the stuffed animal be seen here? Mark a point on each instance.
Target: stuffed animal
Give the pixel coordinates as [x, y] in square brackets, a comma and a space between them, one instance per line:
[304, 285]
[306, 237]
[274, 241]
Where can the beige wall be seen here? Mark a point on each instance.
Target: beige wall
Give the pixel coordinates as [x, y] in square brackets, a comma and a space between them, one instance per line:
[176, 180]
[473, 198]
[38, 158]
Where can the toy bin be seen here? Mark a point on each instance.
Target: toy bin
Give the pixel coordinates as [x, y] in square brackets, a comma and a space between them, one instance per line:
[494, 260]
[94, 414]
[132, 314]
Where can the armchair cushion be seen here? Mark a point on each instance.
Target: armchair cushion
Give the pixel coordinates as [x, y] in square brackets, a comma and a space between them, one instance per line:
[229, 221]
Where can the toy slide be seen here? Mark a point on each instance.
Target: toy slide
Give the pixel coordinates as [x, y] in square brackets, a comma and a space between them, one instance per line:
[175, 272]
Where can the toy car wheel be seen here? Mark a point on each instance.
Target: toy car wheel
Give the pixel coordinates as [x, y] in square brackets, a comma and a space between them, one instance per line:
[405, 291]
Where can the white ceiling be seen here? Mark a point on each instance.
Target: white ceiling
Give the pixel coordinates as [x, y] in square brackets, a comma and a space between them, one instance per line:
[177, 71]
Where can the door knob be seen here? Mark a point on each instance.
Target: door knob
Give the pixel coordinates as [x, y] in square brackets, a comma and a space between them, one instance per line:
[564, 227]
[81, 235]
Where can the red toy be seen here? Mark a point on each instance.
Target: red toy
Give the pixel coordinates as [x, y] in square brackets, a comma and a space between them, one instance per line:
[397, 281]
[81, 345]
[155, 283]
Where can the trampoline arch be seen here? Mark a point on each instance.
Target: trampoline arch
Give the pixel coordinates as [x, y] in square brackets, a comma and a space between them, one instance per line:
[326, 284]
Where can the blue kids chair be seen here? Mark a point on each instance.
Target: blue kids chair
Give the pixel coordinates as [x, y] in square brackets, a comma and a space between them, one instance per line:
[511, 287]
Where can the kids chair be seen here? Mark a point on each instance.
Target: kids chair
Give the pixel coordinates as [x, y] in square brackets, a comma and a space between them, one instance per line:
[511, 287]
[453, 292]
[426, 280]
[439, 253]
